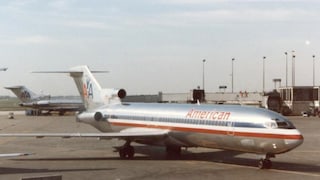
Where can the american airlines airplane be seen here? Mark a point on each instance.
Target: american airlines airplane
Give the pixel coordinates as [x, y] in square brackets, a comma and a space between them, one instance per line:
[40, 104]
[229, 127]
[11, 154]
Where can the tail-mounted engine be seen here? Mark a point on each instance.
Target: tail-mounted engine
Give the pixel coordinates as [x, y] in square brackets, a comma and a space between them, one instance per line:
[114, 93]
[96, 119]
[122, 93]
[88, 117]
[113, 96]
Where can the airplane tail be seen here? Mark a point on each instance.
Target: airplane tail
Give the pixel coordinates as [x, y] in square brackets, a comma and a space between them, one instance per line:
[90, 90]
[23, 93]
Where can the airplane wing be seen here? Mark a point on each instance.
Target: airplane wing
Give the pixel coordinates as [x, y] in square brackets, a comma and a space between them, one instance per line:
[14, 154]
[131, 133]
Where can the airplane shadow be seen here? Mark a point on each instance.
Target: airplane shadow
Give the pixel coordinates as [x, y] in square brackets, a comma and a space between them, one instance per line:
[159, 154]
[225, 157]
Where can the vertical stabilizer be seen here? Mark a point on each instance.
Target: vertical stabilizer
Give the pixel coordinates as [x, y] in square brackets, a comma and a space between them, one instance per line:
[93, 96]
[90, 90]
[23, 93]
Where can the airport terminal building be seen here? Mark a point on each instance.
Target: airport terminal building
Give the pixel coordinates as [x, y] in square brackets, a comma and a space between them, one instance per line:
[198, 95]
[286, 100]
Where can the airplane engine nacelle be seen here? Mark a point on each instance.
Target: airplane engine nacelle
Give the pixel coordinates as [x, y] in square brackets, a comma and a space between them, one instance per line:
[122, 93]
[98, 116]
[114, 93]
[43, 103]
[96, 119]
[29, 104]
[89, 117]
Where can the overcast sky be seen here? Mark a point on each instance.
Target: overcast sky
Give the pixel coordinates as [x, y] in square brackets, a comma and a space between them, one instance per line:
[150, 46]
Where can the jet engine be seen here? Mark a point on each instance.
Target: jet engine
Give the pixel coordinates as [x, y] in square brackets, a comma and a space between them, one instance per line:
[114, 93]
[122, 93]
[96, 119]
[90, 116]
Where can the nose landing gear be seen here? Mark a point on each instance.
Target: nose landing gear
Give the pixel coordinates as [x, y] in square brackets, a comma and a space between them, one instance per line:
[265, 163]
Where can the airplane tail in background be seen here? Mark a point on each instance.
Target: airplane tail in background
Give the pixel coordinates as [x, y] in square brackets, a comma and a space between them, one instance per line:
[90, 90]
[23, 93]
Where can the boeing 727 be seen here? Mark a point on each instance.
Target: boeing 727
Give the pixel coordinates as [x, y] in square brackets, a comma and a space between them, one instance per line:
[229, 127]
[44, 103]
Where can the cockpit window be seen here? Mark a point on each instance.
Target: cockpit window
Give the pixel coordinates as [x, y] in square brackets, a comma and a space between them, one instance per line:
[284, 124]
[270, 124]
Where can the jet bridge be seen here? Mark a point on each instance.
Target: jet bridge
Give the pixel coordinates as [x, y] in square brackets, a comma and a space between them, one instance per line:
[299, 99]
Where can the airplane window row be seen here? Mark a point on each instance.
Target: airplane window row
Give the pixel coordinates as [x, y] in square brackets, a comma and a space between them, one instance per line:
[189, 121]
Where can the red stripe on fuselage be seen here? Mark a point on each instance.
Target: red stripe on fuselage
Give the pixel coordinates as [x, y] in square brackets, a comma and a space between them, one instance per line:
[210, 131]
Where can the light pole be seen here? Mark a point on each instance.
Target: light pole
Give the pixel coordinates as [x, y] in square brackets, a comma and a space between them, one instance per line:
[286, 68]
[293, 68]
[232, 74]
[263, 74]
[313, 56]
[203, 62]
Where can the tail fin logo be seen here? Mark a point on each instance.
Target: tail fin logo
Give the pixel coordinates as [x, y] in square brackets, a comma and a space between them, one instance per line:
[25, 95]
[87, 89]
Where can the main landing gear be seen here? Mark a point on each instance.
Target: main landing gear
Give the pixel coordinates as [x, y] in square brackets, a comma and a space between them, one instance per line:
[265, 163]
[126, 151]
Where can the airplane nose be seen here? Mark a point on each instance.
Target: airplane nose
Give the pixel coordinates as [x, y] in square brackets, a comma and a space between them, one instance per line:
[293, 143]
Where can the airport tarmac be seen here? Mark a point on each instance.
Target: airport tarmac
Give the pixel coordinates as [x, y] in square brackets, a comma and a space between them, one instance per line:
[85, 158]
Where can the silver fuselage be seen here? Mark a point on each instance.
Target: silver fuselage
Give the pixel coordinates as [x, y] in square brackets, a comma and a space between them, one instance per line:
[231, 127]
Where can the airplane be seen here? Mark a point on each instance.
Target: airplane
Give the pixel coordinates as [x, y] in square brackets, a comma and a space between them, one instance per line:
[227, 127]
[12, 154]
[44, 103]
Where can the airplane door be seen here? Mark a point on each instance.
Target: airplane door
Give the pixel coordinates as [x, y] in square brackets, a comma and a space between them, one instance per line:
[230, 125]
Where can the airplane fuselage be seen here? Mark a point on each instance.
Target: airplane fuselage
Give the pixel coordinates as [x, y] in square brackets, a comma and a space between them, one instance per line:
[55, 105]
[231, 127]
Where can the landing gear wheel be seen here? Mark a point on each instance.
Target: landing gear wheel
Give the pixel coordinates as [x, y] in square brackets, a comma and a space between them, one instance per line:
[126, 152]
[265, 164]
